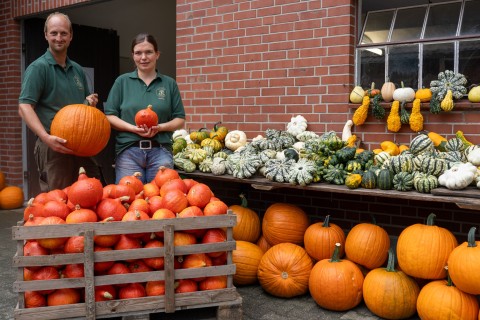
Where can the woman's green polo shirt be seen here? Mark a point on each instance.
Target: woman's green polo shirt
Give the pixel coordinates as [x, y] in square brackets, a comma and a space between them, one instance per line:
[49, 87]
[129, 94]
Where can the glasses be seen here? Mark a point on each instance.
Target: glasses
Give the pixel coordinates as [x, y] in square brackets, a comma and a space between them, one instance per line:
[141, 53]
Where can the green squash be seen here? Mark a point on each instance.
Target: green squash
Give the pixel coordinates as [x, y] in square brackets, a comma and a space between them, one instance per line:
[385, 179]
[369, 180]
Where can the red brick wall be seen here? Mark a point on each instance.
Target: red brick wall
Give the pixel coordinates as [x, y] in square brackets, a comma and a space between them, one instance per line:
[254, 64]
[10, 75]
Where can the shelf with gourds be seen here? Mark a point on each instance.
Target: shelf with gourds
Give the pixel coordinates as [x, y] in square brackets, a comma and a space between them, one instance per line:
[444, 94]
[299, 158]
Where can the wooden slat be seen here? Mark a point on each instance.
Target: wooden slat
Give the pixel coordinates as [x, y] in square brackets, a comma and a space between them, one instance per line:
[438, 195]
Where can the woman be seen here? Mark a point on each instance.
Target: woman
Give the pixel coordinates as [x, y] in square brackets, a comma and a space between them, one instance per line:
[139, 148]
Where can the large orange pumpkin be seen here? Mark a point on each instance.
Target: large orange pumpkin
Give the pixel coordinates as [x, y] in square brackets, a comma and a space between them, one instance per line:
[85, 128]
[284, 222]
[336, 284]
[463, 265]
[246, 257]
[284, 270]
[367, 244]
[441, 300]
[248, 225]
[389, 293]
[423, 250]
[320, 239]
[11, 197]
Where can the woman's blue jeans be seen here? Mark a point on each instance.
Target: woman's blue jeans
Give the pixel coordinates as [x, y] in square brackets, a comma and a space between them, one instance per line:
[145, 161]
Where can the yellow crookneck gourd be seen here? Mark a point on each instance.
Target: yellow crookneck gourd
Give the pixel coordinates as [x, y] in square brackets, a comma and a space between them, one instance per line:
[447, 102]
[416, 118]
[361, 113]
[393, 121]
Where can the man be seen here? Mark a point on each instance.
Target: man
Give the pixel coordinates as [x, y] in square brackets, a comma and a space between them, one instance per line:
[50, 83]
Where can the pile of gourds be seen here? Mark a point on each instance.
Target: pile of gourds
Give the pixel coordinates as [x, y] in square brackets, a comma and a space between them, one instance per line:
[301, 157]
[440, 97]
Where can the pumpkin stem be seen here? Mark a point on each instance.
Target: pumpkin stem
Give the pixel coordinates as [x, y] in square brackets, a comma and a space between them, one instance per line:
[391, 261]
[326, 222]
[244, 201]
[372, 86]
[430, 219]
[374, 221]
[471, 237]
[215, 126]
[449, 280]
[336, 253]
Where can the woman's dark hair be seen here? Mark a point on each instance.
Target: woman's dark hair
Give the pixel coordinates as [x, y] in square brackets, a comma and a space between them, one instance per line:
[142, 37]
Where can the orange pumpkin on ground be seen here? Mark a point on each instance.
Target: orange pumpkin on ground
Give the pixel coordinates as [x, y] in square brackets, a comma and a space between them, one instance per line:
[11, 197]
[389, 293]
[367, 244]
[248, 227]
[284, 270]
[463, 265]
[320, 239]
[263, 244]
[441, 300]
[336, 284]
[423, 249]
[246, 257]
[284, 222]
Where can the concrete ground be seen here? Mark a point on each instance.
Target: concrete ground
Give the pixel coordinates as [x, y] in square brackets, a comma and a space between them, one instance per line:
[257, 304]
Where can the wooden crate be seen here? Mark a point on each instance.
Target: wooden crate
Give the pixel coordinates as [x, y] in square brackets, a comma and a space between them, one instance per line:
[227, 300]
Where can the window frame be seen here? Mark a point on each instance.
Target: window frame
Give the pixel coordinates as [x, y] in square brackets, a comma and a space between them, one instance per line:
[385, 46]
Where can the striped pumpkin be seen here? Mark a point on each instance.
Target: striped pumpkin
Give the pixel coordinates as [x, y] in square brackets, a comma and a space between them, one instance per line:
[433, 166]
[403, 181]
[454, 144]
[424, 183]
[381, 157]
[401, 163]
[421, 144]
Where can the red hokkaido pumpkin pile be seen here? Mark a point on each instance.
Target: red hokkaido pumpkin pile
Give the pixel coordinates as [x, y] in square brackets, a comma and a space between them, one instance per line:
[87, 201]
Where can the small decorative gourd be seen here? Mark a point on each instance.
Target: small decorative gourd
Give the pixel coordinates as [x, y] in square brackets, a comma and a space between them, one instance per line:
[424, 94]
[393, 121]
[356, 96]
[235, 139]
[218, 166]
[449, 80]
[297, 125]
[361, 113]
[474, 94]
[404, 94]
[447, 102]
[416, 118]
[387, 91]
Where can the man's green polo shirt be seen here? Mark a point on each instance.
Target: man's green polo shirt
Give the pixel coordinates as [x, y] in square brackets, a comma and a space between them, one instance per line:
[130, 94]
[49, 87]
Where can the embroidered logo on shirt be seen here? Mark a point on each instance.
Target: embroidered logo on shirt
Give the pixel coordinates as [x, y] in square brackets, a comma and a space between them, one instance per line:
[77, 81]
[161, 93]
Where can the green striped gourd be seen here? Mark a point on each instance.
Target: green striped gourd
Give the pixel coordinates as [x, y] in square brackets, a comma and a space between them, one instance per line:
[403, 181]
[454, 144]
[421, 144]
[401, 163]
[381, 157]
[434, 166]
[385, 179]
[424, 183]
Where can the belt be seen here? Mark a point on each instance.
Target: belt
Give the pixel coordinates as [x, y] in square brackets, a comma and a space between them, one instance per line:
[146, 144]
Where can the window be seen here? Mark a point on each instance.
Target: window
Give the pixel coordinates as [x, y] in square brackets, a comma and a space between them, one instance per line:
[414, 43]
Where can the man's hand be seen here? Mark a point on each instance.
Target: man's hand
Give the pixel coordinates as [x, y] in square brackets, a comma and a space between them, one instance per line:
[92, 99]
[57, 144]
